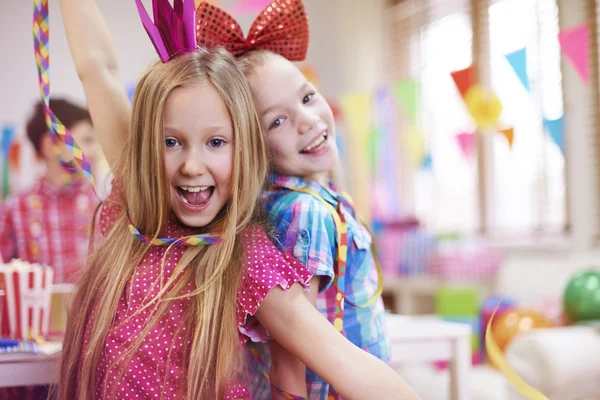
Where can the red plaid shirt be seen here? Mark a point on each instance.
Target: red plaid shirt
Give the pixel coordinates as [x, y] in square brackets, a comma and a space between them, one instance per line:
[49, 226]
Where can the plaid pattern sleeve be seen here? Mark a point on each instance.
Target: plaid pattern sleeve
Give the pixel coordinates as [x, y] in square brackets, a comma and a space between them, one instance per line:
[304, 226]
[8, 240]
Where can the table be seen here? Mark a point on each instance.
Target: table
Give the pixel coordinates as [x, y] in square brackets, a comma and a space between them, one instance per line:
[23, 369]
[428, 339]
[416, 294]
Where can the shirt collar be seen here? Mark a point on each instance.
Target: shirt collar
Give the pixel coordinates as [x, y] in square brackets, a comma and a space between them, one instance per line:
[297, 182]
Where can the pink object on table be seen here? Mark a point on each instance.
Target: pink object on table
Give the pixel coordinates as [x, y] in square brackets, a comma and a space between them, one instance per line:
[466, 264]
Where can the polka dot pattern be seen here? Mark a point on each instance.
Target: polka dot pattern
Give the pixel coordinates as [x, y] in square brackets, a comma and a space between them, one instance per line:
[156, 369]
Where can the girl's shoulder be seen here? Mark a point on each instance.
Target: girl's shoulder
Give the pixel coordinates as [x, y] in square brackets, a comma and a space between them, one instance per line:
[265, 267]
[111, 208]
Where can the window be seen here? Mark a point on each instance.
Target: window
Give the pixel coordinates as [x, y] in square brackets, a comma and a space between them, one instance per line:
[498, 191]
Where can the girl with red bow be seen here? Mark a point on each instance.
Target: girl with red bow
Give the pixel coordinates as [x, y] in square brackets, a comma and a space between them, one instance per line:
[185, 274]
[312, 218]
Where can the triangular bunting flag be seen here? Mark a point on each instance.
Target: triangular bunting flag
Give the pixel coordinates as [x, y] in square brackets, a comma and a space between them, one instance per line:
[414, 142]
[466, 142]
[556, 130]
[575, 43]
[8, 134]
[407, 95]
[14, 155]
[357, 112]
[464, 79]
[509, 134]
[427, 162]
[518, 61]
[373, 143]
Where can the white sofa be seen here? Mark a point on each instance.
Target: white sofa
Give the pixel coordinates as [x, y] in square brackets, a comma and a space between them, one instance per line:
[563, 363]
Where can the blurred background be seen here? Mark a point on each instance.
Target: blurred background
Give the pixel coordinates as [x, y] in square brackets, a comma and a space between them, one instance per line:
[469, 132]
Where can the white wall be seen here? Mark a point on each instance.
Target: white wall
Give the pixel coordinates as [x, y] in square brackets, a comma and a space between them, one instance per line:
[18, 76]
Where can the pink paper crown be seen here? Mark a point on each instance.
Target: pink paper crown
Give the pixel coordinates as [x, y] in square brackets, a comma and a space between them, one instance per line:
[173, 30]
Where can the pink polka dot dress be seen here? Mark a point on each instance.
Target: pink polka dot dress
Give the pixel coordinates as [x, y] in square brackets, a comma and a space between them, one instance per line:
[156, 370]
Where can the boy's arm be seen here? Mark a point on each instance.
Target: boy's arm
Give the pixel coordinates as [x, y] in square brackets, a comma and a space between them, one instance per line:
[95, 58]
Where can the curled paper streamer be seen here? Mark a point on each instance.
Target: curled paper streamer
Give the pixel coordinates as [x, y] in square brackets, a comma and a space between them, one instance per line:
[497, 358]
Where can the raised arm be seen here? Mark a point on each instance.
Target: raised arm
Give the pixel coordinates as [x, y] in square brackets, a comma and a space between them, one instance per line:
[94, 54]
[298, 327]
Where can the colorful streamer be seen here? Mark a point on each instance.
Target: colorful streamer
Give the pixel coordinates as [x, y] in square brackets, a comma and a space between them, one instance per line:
[41, 36]
[497, 358]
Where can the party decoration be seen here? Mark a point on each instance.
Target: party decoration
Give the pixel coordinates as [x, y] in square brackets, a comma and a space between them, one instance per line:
[466, 142]
[497, 358]
[509, 134]
[8, 134]
[130, 88]
[357, 112]
[14, 155]
[494, 304]
[373, 143]
[41, 32]
[556, 130]
[427, 162]
[27, 300]
[192, 240]
[575, 44]
[464, 79]
[484, 106]
[407, 95]
[387, 164]
[581, 298]
[518, 61]
[281, 28]
[250, 6]
[173, 30]
[414, 141]
[511, 323]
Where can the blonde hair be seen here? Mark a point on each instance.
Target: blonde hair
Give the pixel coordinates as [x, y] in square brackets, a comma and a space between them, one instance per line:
[213, 355]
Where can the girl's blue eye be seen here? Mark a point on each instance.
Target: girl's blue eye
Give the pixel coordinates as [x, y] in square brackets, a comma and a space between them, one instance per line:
[170, 142]
[277, 123]
[307, 98]
[216, 143]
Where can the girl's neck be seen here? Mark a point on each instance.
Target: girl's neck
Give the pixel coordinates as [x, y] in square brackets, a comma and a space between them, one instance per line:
[322, 178]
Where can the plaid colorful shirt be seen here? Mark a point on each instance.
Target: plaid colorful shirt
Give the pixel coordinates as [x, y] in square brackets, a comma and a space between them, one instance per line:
[304, 226]
[49, 226]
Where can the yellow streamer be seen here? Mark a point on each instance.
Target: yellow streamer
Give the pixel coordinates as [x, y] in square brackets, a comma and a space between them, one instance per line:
[497, 358]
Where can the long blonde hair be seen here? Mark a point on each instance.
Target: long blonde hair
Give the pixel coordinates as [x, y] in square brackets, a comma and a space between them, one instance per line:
[213, 356]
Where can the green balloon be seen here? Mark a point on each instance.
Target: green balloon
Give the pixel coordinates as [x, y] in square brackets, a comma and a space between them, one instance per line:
[582, 297]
